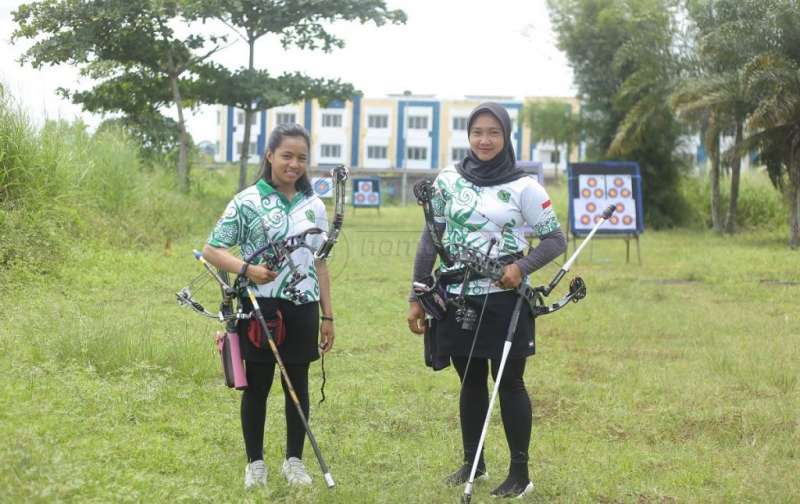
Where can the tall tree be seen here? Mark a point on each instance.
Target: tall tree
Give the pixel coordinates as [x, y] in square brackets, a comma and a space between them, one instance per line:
[129, 45]
[695, 102]
[772, 81]
[257, 90]
[774, 78]
[553, 121]
[715, 95]
[298, 23]
[623, 54]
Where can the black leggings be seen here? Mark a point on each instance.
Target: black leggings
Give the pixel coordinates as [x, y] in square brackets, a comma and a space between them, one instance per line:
[254, 408]
[515, 409]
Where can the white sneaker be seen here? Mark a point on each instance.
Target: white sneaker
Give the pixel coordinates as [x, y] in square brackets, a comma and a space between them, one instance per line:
[295, 472]
[255, 473]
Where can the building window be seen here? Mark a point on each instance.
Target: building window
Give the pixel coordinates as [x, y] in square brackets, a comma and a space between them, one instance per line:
[285, 118]
[376, 152]
[250, 152]
[330, 150]
[418, 122]
[378, 121]
[555, 157]
[460, 123]
[459, 153]
[331, 120]
[417, 153]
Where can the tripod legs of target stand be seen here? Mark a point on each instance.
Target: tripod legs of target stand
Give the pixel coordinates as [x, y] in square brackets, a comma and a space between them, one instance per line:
[627, 238]
[628, 249]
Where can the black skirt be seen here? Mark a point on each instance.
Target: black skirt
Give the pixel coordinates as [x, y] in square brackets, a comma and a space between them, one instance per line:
[453, 341]
[302, 332]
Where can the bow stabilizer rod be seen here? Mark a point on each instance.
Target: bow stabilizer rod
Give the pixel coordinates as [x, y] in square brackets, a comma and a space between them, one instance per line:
[535, 297]
[567, 265]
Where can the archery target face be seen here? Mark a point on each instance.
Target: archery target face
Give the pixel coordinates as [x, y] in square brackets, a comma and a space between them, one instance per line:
[619, 193]
[323, 186]
[596, 193]
[365, 194]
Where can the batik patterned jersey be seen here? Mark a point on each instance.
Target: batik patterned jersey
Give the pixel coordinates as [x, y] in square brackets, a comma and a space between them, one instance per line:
[475, 215]
[261, 211]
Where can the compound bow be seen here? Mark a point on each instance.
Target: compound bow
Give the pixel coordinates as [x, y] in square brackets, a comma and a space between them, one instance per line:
[276, 254]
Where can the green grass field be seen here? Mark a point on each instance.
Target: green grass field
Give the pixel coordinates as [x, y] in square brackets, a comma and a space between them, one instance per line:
[673, 381]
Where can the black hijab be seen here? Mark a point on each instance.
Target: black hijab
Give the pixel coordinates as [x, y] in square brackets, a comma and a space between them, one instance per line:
[500, 169]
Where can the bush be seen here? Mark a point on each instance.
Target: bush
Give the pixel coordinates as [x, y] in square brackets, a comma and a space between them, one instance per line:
[760, 204]
[61, 187]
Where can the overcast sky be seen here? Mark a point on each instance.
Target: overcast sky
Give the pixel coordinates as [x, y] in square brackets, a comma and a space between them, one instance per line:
[447, 48]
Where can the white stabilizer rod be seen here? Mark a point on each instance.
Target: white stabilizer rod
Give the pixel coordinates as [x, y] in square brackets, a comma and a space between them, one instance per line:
[606, 214]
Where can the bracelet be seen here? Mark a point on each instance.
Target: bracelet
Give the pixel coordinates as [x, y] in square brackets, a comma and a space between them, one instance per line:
[327, 318]
[244, 269]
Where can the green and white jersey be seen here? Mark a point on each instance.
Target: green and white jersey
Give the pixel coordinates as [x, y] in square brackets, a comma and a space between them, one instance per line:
[473, 215]
[261, 208]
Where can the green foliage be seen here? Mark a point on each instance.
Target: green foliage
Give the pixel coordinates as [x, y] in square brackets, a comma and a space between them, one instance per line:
[296, 23]
[132, 48]
[16, 148]
[760, 207]
[553, 121]
[590, 32]
[257, 90]
[625, 65]
[106, 37]
[772, 82]
[660, 386]
[62, 187]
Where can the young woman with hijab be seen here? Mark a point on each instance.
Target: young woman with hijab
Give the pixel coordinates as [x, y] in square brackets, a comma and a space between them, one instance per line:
[280, 204]
[482, 202]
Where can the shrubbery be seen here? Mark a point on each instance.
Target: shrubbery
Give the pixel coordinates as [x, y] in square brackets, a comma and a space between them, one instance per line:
[61, 186]
[760, 205]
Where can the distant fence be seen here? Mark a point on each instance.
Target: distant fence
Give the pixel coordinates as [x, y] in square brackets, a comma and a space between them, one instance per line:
[396, 184]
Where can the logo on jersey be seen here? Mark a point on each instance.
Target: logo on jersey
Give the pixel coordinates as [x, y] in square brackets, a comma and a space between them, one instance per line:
[503, 195]
[310, 215]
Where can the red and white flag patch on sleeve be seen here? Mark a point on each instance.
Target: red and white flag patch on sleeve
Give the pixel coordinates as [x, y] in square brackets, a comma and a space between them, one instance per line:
[546, 204]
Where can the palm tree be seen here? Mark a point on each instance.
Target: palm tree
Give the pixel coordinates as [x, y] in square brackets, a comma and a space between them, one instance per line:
[715, 96]
[773, 78]
[717, 103]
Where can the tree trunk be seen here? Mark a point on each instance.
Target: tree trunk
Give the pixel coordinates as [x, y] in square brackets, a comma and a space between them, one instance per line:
[248, 114]
[183, 165]
[794, 218]
[183, 151]
[794, 203]
[736, 169]
[245, 150]
[716, 217]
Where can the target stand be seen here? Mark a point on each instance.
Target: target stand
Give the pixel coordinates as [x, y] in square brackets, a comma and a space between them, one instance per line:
[592, 187]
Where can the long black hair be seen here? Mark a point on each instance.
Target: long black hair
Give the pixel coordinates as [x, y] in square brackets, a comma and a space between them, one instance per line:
[302, 184]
